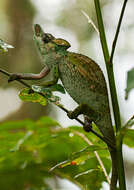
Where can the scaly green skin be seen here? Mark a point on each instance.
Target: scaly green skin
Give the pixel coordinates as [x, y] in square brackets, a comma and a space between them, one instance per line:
[81, 77]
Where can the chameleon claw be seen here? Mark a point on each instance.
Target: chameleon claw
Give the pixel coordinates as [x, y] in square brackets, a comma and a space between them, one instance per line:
[87, 128]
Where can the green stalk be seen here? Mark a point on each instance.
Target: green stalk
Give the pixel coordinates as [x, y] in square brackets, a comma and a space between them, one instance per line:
[118, 30]
[109, 67]
[121, 172]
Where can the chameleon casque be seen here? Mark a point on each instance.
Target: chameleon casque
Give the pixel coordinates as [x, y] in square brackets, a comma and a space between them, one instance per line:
[81, 77]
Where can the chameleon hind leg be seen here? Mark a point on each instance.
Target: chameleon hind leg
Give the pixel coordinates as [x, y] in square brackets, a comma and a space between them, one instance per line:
[89, 115]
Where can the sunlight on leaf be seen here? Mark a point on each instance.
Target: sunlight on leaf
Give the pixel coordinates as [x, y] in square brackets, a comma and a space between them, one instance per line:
[21, 141]
[56, 87]
[4, 46]
[87, 150]
[77, 158]
[58, 165]
[47, 93]
[85, 173]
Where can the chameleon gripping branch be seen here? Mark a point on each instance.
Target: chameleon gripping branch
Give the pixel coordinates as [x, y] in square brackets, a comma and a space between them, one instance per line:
[64, 109]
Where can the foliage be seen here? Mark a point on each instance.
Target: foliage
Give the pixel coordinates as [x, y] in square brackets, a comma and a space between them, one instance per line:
[34, 147]
[4, 46]
[130, 82]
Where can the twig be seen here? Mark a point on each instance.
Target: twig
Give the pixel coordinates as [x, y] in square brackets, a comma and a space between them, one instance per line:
[129, 123]
[118, 30]
[90, 21]
[95, 152]
[64, 109]
[19, 80]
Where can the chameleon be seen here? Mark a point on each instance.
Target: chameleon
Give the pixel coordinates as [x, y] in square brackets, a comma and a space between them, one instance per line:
[81, 77]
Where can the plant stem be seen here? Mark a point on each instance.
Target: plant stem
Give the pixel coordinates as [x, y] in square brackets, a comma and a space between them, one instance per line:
[19, 80]
[118, 30]
[109, 66]
[121, 172]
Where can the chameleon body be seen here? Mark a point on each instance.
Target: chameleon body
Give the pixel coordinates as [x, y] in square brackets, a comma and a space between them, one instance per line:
[82, 79]
[80, 75]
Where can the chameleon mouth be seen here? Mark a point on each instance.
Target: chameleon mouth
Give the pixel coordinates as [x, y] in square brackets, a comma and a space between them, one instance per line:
[37, 29]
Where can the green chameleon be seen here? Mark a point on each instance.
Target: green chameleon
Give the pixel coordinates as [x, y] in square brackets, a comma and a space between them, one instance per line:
[81, 77]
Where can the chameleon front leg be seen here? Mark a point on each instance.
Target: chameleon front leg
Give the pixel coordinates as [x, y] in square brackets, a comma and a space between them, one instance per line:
[90, 115]
[87, 123]
[29, 76]
[44, 72]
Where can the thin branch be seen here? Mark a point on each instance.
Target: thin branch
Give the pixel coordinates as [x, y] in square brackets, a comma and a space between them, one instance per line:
[96, 154]
[64, 109]
[115, 105]
[129, 123]
[90, 21]
[109, 67]
[19, 80]
[118, 30]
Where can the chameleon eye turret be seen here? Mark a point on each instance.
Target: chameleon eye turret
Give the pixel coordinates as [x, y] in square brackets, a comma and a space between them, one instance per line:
[47, 37]
[62, 43]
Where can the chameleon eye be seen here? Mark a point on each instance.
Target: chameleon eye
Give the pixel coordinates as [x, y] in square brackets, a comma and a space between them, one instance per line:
[47, 37]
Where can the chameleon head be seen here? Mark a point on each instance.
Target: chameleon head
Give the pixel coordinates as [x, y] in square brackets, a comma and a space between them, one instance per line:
[47, 42]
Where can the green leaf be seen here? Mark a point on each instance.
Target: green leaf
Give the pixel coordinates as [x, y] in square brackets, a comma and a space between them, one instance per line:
[39, 145]
[130, 82]
[21, 141]
[47, 93]
[76, 158]
[85, 173]
[25, 95]
[129, 138]
[4, 46]
[56, 87]
[87, 150]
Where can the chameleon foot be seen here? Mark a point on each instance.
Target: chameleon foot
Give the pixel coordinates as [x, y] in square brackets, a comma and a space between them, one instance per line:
[87, 124]
[87, 128]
